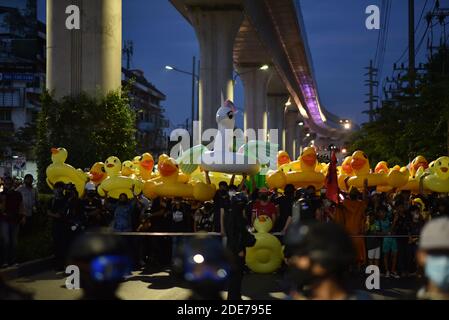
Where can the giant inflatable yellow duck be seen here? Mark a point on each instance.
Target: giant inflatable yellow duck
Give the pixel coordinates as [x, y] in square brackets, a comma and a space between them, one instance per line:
[396, 176]
[416, 168]
[360, 166]
[437, 179]
[344, 173]
[146, 165]
[168, 184]
[59, 171]
[98, 173]
[116, 184]
[306, 176]
[266, 255]
[129, 169]
[283, 158]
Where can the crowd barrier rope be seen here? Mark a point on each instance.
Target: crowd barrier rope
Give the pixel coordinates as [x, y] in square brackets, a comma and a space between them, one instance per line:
[217, 234]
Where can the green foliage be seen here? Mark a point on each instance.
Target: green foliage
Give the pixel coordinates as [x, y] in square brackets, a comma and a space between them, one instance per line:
[90, 129]
[405, 128]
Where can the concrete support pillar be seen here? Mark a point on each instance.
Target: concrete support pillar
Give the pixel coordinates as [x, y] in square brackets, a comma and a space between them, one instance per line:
[291, 124]
[88, 59]
[255, 84]
[276, 108]
[216, 30]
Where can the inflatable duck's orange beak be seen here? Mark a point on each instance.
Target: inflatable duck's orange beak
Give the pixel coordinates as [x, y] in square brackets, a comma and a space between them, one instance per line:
[309, 159]
[147, 164]
[283, 159]
[347, 168]
[54, 150]
[167, 169]
[381, 169]
[357, 163]
[444, 169]
[110, 165]
[420, 164]
[96, 176]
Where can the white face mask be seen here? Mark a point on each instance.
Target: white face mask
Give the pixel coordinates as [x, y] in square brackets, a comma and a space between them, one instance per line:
[437, 270]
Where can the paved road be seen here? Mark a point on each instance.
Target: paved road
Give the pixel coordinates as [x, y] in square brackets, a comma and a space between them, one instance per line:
[160, 286]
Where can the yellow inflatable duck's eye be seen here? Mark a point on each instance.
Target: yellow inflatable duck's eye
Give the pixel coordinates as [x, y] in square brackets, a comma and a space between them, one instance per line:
[439, 163]
[103, 169]
[364, 155]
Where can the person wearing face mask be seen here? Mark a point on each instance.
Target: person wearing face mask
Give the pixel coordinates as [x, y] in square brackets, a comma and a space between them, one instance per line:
[433, 256]
[319, 256]
[263, 206]
[92, 207]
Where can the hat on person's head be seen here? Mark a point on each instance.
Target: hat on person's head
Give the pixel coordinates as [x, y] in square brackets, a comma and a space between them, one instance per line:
[435, 235]
[90, 186]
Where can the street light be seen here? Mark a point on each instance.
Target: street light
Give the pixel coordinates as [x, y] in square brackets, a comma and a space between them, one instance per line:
[263, 67]
[195, 77]
[300, 123]
[347, 126]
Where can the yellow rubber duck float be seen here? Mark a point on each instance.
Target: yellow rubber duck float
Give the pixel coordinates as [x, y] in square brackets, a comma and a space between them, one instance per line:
[416, 168]
[146, 165]
[437, 179]
[345, 172]
[116, 184]
[307, 175]
[97, 173]
[168, 184]
[129, 169]
[396, 176]
[59, 171]
[360, 165]
[266, 255]
[283, 158]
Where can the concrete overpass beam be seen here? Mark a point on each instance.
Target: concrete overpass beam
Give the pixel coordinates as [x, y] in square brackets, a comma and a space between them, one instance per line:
[276, 109]
[216, 29]
[88, 59]
[255, 84]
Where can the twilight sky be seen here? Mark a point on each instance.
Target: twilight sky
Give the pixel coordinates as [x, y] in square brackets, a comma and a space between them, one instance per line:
[339, 42]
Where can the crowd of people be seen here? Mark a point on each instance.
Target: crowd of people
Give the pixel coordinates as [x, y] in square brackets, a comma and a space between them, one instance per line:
[384, 228]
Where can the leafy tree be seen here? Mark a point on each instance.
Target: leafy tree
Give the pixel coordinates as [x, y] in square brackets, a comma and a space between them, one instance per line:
[405, 127]
[90, 129]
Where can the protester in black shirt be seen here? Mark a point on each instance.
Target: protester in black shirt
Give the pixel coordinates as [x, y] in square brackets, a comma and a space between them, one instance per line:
[56, 210]
[180, 219]
[284, 206]
[93, 208]
[401, 227]
[222, 204]
[238, 238]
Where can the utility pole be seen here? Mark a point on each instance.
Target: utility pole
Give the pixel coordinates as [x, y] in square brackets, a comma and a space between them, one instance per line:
[128, 51]
[372, 84]
[411, 45]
